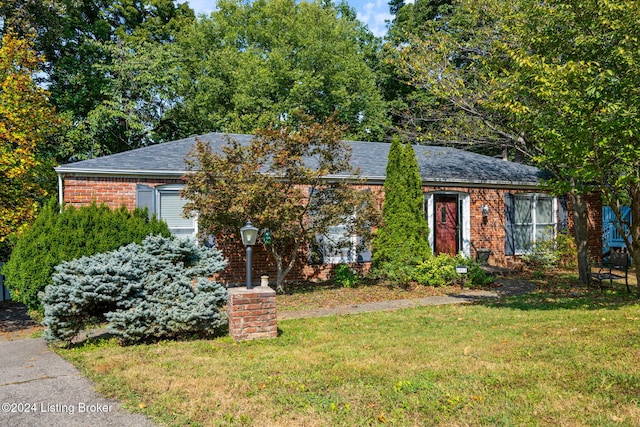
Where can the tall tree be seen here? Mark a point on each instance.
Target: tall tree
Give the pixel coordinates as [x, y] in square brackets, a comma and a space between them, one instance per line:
[465, 63]
[254, 63]
[403, 236]
[444, 61]
[280, 182]
[27, 121]
[85, 43]
[418, 112]
[572, 83]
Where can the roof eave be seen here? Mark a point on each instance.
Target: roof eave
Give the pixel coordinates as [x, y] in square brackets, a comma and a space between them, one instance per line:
[371, 180]
[118, 173]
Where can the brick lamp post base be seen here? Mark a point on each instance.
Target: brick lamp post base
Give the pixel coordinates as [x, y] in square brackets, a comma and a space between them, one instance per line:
[252, 313]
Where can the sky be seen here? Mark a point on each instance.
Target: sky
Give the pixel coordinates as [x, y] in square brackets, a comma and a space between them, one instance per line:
[373, 13]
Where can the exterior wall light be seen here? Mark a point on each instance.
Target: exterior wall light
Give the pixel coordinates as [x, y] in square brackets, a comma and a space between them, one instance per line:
[249, 235]
[485, 211]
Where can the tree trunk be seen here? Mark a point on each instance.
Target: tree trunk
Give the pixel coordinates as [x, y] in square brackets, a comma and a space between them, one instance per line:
[581, 230]
[634, 228]
[281, 272]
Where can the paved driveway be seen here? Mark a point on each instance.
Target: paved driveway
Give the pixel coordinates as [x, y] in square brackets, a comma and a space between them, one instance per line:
[39, 388]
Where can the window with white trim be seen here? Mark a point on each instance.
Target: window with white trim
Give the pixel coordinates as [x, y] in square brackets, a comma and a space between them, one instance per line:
[165, 202]
[533, 220]
[338, 246]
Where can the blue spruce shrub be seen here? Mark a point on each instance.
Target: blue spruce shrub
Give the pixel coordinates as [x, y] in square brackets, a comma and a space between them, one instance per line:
[157, 290]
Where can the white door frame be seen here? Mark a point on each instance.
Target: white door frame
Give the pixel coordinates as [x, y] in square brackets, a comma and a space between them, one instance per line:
[464, 208]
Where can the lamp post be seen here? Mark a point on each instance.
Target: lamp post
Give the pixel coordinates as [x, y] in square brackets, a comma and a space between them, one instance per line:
[249, 234]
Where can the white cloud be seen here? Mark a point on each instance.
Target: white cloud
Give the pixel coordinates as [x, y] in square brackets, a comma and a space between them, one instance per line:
[374, 14]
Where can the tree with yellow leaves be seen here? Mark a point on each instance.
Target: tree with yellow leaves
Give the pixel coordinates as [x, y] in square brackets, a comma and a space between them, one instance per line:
[27, 122]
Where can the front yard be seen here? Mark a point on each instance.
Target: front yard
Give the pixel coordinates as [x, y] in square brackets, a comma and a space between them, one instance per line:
[559, 356]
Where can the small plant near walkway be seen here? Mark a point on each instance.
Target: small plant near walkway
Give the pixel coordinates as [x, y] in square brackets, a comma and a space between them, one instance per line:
[344, 276]
[547, 358]
[157, 290]
[441, 270]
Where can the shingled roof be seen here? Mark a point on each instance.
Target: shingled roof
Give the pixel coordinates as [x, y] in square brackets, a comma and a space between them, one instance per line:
[437, 164]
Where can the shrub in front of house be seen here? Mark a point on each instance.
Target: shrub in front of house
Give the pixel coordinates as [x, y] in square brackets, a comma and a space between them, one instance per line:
[58, 236]
[157, 290]
[434, 270]
[345, 276]
[552, 252]
[441, 270]
[403, 236]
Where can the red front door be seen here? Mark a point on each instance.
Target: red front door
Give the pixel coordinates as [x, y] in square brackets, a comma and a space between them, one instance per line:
[446, 223]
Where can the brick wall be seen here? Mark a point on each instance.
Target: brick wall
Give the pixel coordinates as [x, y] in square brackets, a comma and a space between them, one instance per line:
[594, 221]
[485, 232]
[112, 191]
[595, 226]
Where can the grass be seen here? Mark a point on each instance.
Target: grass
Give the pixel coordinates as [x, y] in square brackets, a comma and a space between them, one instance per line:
[560, 356]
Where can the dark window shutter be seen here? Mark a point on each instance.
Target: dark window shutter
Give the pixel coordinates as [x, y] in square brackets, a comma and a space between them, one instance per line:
[146, 198]
[510, 244]
[563, 214]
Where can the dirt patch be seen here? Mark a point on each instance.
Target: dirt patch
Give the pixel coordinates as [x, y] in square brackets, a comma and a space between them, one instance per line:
[15, 322]
[510, 287]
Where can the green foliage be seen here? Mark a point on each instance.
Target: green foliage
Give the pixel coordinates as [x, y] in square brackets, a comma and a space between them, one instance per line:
[438, 49]
[62, 236]
[570, 82]
[540, 258]
[398, 273]
[89, 70]
[27, 123]
[345, 276]
[404, 234]
[559, 251]
[441, 270]
[435, 271]
[157, 290]
[252, 63]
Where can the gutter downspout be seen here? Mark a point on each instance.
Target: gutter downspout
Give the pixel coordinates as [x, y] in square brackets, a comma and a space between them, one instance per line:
[60, 191]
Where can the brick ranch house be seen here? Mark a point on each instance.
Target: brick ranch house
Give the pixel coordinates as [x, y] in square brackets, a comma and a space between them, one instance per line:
[474, 204]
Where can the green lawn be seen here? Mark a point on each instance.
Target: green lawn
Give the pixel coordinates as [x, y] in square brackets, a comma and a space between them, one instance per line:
[549, 358]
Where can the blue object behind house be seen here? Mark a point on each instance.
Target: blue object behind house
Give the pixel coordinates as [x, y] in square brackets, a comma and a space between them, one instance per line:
[611, 237]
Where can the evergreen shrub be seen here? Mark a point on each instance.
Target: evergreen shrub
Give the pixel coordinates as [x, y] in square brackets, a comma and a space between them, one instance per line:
[62, 236]
[404, 234]
[157, 290]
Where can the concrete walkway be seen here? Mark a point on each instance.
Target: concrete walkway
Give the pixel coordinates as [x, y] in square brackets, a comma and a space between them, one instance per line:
[506, 287]
[468, 296]
[39, 388]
